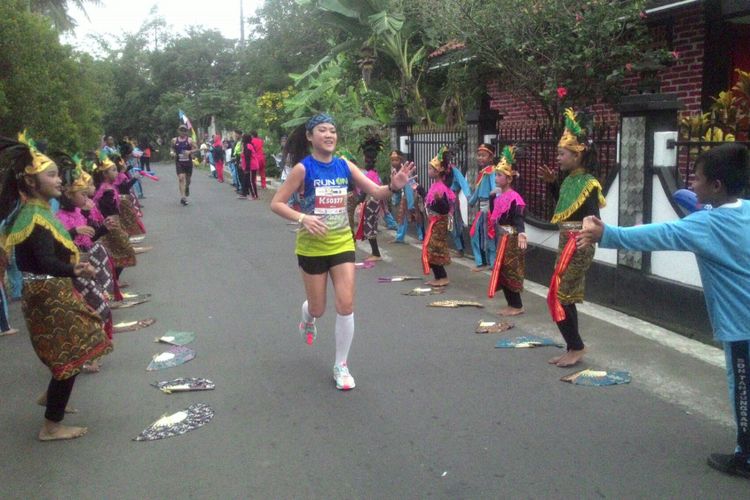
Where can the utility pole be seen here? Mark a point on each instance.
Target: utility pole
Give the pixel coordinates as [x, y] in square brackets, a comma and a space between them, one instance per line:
[242, 25]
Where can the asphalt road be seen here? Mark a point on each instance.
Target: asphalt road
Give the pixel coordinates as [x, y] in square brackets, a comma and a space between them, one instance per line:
[437, 412]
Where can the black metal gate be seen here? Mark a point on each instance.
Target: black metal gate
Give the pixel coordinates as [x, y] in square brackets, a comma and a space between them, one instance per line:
[424, 144]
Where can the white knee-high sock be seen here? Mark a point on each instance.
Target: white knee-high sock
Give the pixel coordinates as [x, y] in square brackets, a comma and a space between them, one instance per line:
[306, 316]
[344, 332]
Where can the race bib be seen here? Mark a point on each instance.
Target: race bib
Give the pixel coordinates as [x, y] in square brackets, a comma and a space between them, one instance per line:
[184, 156]
[330, 200]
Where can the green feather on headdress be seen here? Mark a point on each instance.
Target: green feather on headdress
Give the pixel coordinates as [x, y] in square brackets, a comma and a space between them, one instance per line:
[571, 123]
[509, 155]
[441, 153]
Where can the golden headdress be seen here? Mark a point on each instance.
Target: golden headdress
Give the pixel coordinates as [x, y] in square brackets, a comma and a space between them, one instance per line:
[573, 131]
[438, 163]
[507, 160]
[104, 162]
[81, 178]
[39, 162]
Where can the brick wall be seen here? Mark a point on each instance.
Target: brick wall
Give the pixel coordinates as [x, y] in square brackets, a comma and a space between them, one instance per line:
[684, 78]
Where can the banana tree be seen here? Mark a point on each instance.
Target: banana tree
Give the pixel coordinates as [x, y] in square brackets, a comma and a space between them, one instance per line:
[378, 26]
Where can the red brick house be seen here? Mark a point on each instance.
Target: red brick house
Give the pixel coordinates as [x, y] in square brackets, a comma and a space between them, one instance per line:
[712, 38]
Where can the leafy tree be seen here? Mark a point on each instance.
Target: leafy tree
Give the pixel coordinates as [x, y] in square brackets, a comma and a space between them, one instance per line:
[555, 52]
[57, 11]
[379, 26]
[45, 87]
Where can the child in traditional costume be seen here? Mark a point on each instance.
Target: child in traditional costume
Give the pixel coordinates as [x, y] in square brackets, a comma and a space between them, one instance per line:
[86, 232]
[508, 229]
[324, 245]
[128, 207]
[579, 196]
[440, 203]
[482, 244]
[64, 331]
[409, 203]
[107, 201]
[719, 236]
[370, 213]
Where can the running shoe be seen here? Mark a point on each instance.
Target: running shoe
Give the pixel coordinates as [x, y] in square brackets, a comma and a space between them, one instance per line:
[183, 201]
[308, 331]
[344, 379]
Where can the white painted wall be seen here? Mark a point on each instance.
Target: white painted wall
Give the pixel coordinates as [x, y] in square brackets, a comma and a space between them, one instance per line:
[676, 266]
[609, 215]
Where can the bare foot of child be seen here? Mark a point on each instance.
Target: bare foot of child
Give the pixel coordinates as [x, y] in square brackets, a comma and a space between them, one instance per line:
[510, 311]
[54, 431]
[10, 331]
[92, 367]
[479, 269]
[571, 358]
[438, 283]
[373, 258]
[554, 361]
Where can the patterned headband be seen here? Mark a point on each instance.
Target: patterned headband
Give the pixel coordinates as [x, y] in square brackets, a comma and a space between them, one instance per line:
[317, 120]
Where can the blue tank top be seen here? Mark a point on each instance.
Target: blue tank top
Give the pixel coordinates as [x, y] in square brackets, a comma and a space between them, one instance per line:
[325, 191]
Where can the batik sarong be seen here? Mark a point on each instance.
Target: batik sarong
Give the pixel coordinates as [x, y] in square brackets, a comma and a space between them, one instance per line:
[129, 218]
[99, 258]
[510, 265]
[435, 246]
[369, 223]
[119, 248]
[64, 331]
[572, 278]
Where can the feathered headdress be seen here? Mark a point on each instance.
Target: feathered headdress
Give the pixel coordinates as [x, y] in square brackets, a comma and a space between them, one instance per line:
[573, 134]
[507, 160]
[439, 163]
[104, 162]
[81, 179]
[39, 161]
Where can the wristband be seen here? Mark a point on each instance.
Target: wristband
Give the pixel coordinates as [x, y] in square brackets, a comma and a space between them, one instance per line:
[302, 216]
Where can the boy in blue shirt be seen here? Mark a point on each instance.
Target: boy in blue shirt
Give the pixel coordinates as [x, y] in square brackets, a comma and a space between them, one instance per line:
[720, 238]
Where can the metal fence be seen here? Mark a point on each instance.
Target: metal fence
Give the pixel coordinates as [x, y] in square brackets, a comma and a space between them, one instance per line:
[424, 144]
[695, 139]
[537, 146]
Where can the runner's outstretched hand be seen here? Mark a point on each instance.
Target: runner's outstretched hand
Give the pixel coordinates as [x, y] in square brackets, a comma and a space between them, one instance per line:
[403, 176]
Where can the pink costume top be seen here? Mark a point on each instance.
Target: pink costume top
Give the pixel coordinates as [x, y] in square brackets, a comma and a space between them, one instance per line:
[439, 187]
[503, 202]
[73, 219]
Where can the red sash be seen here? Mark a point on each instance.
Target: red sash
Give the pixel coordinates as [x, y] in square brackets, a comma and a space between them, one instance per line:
[361, 228]
[553, 303]
[495, 276]
[474, 224]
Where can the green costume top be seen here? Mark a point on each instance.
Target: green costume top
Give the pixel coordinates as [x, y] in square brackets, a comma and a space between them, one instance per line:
[574, 190]
[35, 212]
